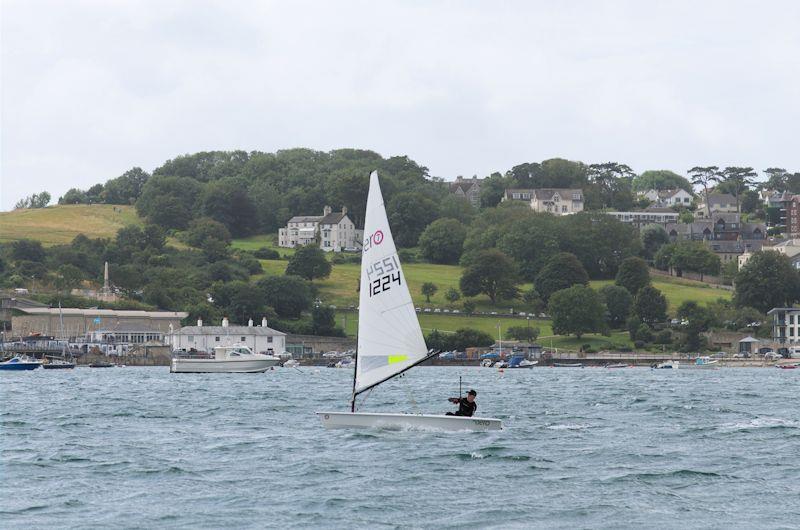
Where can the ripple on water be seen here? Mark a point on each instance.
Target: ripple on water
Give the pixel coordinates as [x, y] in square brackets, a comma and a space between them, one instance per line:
[590, 448]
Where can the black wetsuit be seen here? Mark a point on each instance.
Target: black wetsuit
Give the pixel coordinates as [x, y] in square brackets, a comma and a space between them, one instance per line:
[465, 408]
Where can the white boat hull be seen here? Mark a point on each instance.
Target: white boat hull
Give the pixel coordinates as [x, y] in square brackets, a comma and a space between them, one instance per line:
[202, 366]
[360, 420]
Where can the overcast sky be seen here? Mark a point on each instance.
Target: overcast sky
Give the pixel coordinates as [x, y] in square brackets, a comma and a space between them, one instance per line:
[91, 89]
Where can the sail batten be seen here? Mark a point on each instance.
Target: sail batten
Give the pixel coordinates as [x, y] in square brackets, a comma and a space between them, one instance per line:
[389, 336]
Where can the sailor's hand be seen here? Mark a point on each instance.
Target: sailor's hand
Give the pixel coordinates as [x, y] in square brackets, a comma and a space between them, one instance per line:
[453, 400]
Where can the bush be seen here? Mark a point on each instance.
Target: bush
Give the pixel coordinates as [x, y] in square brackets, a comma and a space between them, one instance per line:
[644, 333]
[523, 333]
[408, 255]
[266, 253]
[663, 337]
[639, 344]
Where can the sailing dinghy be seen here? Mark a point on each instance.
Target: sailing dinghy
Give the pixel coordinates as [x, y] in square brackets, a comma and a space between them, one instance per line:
[390, 339]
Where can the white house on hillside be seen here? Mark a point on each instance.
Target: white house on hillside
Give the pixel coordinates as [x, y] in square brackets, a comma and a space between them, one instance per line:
[557, 201]
[334, 231]
[679, 197]
[720, 203]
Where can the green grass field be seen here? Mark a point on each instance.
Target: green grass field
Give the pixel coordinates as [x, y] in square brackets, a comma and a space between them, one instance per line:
[678, 291]
[449, 323]
[56, 225]
[260, 241]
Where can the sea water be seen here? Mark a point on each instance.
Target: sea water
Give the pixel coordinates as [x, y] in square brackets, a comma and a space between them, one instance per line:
[581, 448]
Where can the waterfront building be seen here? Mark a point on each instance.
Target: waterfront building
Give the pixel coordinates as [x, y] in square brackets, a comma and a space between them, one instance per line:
[81, 322]
[334, 231]
[260, 339]
[785, 324]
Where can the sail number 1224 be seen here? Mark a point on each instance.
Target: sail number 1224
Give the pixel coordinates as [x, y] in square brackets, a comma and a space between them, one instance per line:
[389, 273]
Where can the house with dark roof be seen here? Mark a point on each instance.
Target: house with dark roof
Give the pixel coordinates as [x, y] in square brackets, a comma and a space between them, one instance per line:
[469, 189]
[333, 230]
[724, 234]
[719, 202]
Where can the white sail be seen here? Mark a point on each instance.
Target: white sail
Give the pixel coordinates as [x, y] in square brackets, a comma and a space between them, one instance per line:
[389, 337]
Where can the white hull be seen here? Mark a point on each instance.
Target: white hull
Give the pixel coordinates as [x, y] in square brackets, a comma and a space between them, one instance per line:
[347, 420]
[222, 366]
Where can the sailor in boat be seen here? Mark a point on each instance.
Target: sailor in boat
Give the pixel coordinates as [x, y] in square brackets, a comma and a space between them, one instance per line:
[466, 405]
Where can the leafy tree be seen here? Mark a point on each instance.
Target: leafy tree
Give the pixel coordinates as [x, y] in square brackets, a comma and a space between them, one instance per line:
[238, 300]
[169, 201]
[309, 262]
[530, 239]
[452, 295]
[600, 242]
[705, 177]
[409, 214]
[126, 188]
[288, 295]
[205, 228]
[214, 249]
[633, 274]
[532, 299]
[751, 202]
[687, 256]
[562, 270]
[27, 249]
[662, 179]
[492, 190]
[73, 196]
[462, 339]
[632, 325]
[697, 319]
[228, 201]
[469, 306]
[576, 311]
[458, 208]
[323, 321]
[618, 303]
[266, 253]
[36, 200]
[686, 217]
[428, 289]
[492, 273]
[650, 305]
[737, 180]
[644, 333]
[94, 194]
[68, 277]
[523, 333]
[612, 183]
[767, 280]
[653, 236]
[443, 240]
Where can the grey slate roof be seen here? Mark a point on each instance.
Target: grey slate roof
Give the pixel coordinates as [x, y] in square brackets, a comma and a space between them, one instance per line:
[546, 194]
[305, 219]
[229, 330]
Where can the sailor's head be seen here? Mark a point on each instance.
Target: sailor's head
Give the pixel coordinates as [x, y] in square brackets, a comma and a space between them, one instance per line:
[471, 396]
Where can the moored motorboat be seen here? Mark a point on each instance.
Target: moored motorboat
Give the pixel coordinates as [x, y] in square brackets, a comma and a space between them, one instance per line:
[704, 363]
[20, 362]
[568, 365]
[787, 366]
[58, 364]
[617, 365]
[101, 364]
[347, 362]
[519, 361]
[666, 365]
[291, 363]
[226, 359]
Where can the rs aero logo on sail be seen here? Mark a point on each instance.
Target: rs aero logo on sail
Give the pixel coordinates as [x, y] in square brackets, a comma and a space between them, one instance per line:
[375, 238]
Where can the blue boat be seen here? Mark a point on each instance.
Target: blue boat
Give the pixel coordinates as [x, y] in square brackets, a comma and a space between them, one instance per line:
[20, 363]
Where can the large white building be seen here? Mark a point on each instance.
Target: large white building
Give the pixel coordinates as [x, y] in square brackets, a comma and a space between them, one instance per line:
[785, 324]
[260, 339]
[646, 217]
[334, 231]
[558, 201]
[679, 197]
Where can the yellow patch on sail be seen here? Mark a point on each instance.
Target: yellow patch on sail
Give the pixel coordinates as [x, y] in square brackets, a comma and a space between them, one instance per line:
[397, 358]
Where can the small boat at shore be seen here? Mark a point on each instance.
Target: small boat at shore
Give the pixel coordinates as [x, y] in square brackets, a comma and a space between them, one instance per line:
[101, 364]
[519, 361]
[291, 363]
[58, 364]
[20, 362]
[787, 366]
[568, 365]
[226, 359]
[347, 362]
[704, 363]
[666, 365]
[617, 365]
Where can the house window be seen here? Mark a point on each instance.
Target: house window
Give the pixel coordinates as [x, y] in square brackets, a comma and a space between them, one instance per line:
[216, 339]
[243, 339]
[191, 338]
[564, 208]
[269, 339]
[576, 196]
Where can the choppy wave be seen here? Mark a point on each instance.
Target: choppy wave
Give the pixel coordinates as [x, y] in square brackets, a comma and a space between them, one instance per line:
[138, 447]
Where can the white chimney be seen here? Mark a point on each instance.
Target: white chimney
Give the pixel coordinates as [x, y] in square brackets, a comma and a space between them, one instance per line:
[224, 322]
[264, 322]
[326, 210]
[199, 322]
[250, 323]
